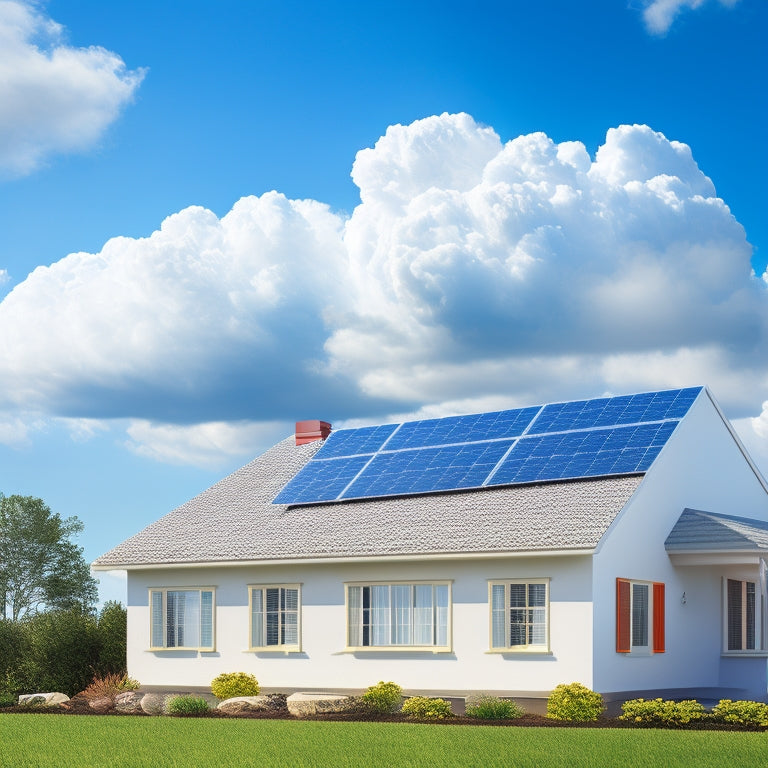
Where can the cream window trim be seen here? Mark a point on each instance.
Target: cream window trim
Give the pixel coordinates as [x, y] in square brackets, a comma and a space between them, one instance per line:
[391, 647]
[527, 648]
[162, 630]
[757, 627]
[277, 647]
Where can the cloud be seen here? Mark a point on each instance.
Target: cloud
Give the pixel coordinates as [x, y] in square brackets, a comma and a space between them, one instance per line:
[53, 97]
[202, 445]
[473, 271]
[659, 15]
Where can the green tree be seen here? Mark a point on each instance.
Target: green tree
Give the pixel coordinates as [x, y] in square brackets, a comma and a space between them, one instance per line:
[113, 623]
[40, 567]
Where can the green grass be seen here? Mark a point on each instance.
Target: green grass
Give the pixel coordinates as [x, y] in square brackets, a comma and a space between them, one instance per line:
[58, 741]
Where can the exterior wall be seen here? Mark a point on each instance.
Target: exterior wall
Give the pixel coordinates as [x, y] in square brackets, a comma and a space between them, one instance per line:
[323, 662]
[700, 467]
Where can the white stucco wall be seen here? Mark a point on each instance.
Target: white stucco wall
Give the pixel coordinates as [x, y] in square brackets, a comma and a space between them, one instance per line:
[701, 467]
[323, 662]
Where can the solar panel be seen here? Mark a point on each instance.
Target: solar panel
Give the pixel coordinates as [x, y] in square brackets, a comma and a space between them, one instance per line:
[585, 438]
[428, 469]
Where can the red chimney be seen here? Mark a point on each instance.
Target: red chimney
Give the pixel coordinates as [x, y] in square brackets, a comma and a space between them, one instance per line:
[311, 430]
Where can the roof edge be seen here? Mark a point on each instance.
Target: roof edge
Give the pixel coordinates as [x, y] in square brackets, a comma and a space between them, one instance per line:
[580, 552]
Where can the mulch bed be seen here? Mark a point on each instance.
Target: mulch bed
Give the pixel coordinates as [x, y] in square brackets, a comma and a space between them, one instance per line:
[80, 706]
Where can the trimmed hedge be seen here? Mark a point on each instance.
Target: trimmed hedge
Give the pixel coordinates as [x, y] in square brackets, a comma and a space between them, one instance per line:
[574, 702]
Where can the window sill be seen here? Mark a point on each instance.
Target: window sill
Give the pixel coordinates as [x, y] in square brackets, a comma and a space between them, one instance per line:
[751, 654]
[275, 649]
[399, 649]
[521, 651]
[186, 649]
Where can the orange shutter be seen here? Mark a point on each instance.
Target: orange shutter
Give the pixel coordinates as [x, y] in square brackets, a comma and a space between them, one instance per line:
[658, 617]
[623, 607]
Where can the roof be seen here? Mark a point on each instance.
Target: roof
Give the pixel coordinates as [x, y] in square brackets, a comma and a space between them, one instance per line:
[235, 520]
[699, 531]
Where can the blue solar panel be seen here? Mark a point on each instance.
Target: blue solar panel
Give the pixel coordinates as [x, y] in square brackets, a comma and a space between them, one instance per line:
[620, 450]
[351, 442]
[613, 411]
[428, 469]
[461, 429]
[321, 480]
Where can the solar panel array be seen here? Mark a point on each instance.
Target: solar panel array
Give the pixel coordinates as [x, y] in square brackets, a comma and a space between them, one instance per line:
[585, 438]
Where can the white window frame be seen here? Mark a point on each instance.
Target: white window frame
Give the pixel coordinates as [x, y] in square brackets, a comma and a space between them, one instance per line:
[163, 591]
[759, 632]
[507, 647]
[393, 647]
[261, 646]
[647, 649]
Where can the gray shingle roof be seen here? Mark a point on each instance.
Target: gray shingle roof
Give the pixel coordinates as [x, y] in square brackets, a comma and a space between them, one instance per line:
[697, 530]
[235, 520]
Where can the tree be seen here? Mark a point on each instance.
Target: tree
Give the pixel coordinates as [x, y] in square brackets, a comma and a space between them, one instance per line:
[39, 566]
[113, 626]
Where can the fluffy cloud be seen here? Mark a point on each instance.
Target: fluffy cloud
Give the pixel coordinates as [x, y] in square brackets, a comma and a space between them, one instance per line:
[473, 271]
[659, 14]
[53, 97]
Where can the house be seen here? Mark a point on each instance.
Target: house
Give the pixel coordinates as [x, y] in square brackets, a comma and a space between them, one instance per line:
[620, 542]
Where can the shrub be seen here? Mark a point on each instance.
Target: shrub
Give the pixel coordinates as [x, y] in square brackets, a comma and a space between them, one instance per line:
[424, 708]
[661, 712]
[484, 706]
[187, 705]
[574, 702]
[383, 698]
[7, 700]
[112, 625]
[231, 684]
[753, 713]
[109, 685]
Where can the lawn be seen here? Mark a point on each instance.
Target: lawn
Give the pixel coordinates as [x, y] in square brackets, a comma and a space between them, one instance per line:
[60, 741]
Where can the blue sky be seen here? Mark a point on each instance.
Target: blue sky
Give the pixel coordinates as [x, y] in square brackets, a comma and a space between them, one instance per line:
[243, 214]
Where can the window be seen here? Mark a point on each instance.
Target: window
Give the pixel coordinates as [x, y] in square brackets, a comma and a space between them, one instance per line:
[639, 616]
[740, 614]
[275, 617]
[398, 615]
[181, 618]
[520, 615]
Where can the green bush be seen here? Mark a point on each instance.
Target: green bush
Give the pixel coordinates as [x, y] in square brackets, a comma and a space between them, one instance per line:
[383, 698]
[7, 700]
[113, 621]
[484, 706]
[14, 658]
[424, 708]
[574, 702]
[187, 705]
[662, 712]
[231, 684]
[753, 713]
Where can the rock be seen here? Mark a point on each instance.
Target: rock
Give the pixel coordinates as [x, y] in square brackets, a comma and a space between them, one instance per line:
[239, 704]
[42, 699]
[303, 704]
[129, 702]
[102, 705]
[155, 703]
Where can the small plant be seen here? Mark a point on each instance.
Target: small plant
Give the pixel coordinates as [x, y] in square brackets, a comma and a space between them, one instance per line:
[574, 702]
[662, 712]
[231, 684]
[383, 698]
[484, 706]
[7, 700]
[109, 686]
[187, 705]
[424, 708]
[753, 713]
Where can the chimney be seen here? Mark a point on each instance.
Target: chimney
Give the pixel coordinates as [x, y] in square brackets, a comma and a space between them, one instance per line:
[311, 430]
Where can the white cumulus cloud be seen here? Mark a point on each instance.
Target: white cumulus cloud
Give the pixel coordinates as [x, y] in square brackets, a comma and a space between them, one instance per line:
[472, 271]
[53, 97]
[659, 15]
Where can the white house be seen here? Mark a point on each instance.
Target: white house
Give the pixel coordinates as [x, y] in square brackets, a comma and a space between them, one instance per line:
[619, 542]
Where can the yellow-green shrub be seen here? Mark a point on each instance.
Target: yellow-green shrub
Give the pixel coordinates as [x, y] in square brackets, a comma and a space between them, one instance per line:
[424, 708]
[662, 712]
[741, 712]
[574, 702]
[383, 698]
[230, 684]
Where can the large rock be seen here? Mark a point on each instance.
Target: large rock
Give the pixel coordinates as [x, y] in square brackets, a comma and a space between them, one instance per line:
[42, 699]
[101, 705]
[304, 704]
[239, 704]
[129, 702]
[155, 703]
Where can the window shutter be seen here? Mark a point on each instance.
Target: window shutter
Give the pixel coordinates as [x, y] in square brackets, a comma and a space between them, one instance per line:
[658, 617]
[623, 607]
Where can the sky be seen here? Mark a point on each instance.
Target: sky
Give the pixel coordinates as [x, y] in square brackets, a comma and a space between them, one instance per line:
[219, 218]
